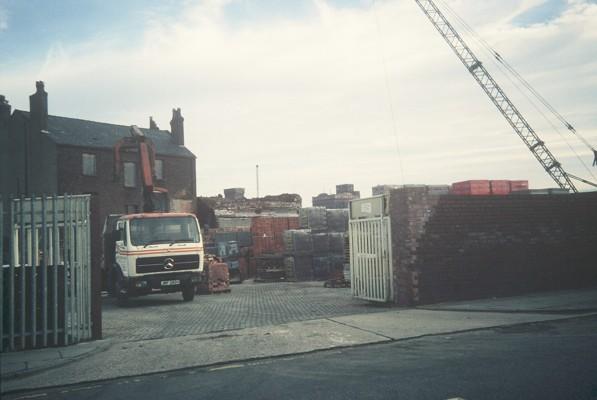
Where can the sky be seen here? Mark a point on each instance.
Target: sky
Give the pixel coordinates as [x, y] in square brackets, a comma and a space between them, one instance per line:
[317, 92]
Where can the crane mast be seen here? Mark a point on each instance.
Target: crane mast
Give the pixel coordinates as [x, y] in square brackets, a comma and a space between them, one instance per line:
[497, 96]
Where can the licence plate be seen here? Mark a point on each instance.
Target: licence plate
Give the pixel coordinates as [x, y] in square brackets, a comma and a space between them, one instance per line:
[171, 283]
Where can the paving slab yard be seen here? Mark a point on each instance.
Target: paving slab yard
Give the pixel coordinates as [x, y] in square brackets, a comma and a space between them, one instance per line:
[248, 305]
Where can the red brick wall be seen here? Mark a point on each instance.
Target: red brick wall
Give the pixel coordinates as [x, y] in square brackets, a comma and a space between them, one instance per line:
[463, 247]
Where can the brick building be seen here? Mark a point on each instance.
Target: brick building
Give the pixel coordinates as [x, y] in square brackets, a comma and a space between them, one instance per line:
[47, 154]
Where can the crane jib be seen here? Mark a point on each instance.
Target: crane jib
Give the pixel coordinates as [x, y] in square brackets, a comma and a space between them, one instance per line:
[497, 96]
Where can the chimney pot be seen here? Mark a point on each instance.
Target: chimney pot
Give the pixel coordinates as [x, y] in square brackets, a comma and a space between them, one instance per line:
[152, 124]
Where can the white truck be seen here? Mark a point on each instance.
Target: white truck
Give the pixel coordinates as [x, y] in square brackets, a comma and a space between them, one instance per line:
[152, 253]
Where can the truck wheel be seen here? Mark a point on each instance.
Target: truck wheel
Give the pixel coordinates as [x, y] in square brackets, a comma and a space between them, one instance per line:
[188, 293]
[122, 297]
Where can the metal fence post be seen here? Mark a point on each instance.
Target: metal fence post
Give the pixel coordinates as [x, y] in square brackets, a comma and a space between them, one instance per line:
[44, 272]
[1, 273]
[11, 279]
[33, 277]
[22, 248]
[55, 261]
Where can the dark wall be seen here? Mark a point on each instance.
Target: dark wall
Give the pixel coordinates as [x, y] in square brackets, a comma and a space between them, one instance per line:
[465, 247]
[28, 158]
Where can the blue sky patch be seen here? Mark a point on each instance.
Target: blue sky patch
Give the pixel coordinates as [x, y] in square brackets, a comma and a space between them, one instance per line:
[549, 10]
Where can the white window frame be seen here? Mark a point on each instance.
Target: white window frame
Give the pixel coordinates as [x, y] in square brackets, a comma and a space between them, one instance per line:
[159, 169]
[89, 158]
[130, 181]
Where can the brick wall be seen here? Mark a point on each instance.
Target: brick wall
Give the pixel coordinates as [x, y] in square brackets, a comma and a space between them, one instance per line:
[466, 247]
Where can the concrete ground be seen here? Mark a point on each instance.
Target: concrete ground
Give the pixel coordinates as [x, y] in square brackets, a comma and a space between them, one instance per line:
[125, 355]
[546, 360]
[248, 305]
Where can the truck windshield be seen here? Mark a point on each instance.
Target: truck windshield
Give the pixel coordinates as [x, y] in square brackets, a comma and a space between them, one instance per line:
[145, 231]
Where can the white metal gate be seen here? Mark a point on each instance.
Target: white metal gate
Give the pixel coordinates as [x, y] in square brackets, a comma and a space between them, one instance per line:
[370, 259]
[45, 279]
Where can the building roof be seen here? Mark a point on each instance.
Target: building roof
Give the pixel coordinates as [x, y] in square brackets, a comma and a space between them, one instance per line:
[84, 133]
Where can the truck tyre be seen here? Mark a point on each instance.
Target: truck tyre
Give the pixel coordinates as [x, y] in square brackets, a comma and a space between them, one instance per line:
[122, 298]
[188, 292]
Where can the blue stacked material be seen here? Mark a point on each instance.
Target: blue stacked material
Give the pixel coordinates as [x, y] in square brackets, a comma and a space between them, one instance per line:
[337, 220]
[298, 241]
[299, 268]
[321, 268]
[243, 238]
[337, 242]
[314, 218]
[321, 243]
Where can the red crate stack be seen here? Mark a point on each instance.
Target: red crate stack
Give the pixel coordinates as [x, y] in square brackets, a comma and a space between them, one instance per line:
[516, 186]
[472, 187]
[500, 187]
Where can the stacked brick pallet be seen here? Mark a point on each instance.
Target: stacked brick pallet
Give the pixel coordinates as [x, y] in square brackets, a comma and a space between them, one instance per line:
[268, 245]
[268, 233]
[487, 187]
[464, 247]
[317, 250]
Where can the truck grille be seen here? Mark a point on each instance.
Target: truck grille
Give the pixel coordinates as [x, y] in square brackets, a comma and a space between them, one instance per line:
[162, 263]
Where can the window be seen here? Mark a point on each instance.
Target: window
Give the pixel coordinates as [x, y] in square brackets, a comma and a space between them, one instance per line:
[159, 169]
[130, 174]
[121, 232]
[144, 231]
[88, 161]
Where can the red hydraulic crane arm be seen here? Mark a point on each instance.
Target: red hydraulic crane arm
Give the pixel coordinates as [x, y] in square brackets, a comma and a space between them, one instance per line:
[146, 166]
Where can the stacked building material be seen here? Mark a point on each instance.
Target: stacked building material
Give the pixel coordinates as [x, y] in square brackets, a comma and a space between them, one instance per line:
[337, 220]
[270, 267]
[321, 267]
[299, 267]
[268, 234]
[217, 279]
[484, 187]
[320, 246]
[243, 238]
[298, 247]
[314, 218]
[321, 243]
[298, 241]
[516, 186]
[344, 194]
[499, 187]
[471, 188]
[233, 223]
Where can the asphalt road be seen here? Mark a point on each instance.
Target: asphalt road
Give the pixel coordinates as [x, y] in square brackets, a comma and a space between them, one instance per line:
[555, 360]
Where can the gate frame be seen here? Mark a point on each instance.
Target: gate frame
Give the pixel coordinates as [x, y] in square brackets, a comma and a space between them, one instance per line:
[362, 286]
[46, 234]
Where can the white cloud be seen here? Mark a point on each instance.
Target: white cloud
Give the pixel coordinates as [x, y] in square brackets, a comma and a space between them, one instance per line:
[307, 98]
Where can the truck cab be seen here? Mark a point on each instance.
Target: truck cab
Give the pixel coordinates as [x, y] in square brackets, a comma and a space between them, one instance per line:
[155, 253]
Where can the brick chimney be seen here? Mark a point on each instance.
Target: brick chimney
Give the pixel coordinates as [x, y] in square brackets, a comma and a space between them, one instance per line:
[177, 127]
[152, 124]
[4, 108]
[38, 107]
